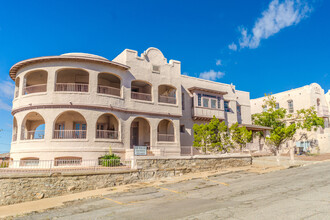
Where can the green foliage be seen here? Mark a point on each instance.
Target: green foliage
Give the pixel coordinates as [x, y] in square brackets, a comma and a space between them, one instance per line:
[202, 137]
[240, 135]
[307, 119]
[110, 160]
[4, 164]
[284, 126]
[213, 137]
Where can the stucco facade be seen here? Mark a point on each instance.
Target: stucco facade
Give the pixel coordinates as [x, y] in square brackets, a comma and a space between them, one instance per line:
[78, 105]
[303, 98]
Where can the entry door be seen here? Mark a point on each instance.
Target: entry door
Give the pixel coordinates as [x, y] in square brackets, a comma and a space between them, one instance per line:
[135, 134]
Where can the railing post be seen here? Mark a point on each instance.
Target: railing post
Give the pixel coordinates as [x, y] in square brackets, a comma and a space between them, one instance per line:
[50, 167]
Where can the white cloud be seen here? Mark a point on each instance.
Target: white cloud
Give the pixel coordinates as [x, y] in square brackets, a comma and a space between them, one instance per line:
[278, 15]
[7, 89]
[232, 46]
[218, 63]
[211, 75]
[4, 105]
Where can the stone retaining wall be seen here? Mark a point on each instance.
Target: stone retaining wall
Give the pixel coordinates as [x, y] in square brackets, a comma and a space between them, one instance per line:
[16, 188]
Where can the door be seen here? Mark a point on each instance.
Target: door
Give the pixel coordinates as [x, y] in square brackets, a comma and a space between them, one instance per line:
[135, 134]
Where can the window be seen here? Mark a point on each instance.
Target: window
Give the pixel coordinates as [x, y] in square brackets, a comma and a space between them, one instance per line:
[155, 69]
[205, 102]
[182, 101]
[213, 103]
[277, 105]
[290, 106]
[182, 128]
[219, 99]
[238, 107]
[227, 109]
[199, 99]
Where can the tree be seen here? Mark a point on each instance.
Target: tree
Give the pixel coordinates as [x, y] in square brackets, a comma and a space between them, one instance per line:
[202, 137]
[220, 137]
[240, 135]
[284, 126]
[212, 137]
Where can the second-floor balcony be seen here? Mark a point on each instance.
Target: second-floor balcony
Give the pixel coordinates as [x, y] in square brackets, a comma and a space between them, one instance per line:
[167, 99]
[33, 135]
[34, 89]
[141, 96]
[207, 113]
[106, 134]
[71, 87]
[108, 90]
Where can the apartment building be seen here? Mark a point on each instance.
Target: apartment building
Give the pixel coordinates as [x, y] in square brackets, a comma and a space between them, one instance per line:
[77, 105]
[303, 98]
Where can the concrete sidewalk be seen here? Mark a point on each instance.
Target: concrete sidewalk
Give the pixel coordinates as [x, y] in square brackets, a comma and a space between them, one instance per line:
[260, 165]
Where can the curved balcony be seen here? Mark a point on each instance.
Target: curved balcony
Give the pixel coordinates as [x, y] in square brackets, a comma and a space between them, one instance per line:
[71, 87]
[34, 89]
[33, 135]
[70, 134]
[108, 90]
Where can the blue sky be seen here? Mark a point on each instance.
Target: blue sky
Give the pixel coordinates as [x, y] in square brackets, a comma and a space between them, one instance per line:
[261, 46]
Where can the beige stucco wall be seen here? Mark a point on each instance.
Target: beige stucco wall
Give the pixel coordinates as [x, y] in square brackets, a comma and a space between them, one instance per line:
[303, 98]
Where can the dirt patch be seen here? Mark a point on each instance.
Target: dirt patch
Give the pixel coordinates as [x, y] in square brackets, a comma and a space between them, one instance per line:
[319, 157]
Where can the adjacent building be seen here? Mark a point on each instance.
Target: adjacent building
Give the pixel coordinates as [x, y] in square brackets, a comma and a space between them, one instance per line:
[77, 105]
[303, 98]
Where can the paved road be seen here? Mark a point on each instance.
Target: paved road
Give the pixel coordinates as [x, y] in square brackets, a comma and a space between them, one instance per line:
[297, 193]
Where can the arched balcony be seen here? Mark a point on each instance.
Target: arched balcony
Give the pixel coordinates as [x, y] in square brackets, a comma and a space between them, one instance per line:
[140, 132]
[72, 80]
[107, 127]
[35, 82]
[33, 127]
[70, 125]
[141, 90]
[17, 87]
[109, 84]
[167, 94]
[14, 130]
[165, 131]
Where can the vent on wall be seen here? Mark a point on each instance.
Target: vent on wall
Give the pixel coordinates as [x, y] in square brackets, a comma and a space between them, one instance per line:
[155, 69]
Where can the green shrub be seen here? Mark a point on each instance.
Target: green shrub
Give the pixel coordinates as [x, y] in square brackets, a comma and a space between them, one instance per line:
[110, 160]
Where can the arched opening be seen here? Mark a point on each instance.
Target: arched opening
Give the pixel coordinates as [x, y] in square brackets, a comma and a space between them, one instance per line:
[141, 90]
[33, 127]
[67, 161]
[167, 94]
[108, 83]
[107, 127]
[165, 131]
[17, 87]
[14, 130]
[29, 161]
[72, 80]
[70, 125]
[35, 81]
[140, 132]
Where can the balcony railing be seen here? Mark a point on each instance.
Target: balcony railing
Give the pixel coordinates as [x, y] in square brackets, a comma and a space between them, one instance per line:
[207, 113]
[167, 99]
[108, 90]
[166, 137]
[33, 135]
[14, 137]
[323, 111]
[106, 134]
[35, 89]
[70, 134]
[141, 96]
[71, 87]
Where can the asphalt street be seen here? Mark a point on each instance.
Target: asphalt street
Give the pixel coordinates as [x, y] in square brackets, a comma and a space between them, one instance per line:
[296, 193]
